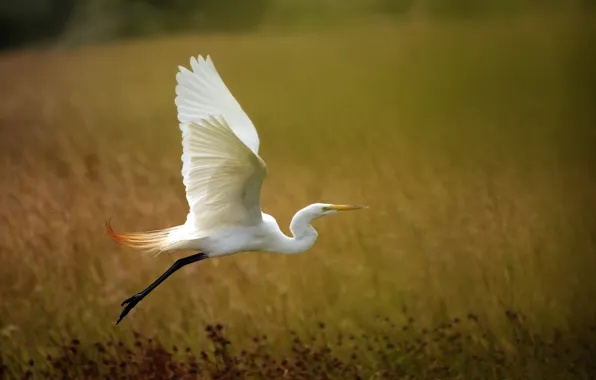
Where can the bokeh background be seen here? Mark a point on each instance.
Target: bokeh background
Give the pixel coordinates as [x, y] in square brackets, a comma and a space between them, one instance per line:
[468, 127]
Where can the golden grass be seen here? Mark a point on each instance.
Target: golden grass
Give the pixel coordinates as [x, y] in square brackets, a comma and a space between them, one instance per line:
[470, 142]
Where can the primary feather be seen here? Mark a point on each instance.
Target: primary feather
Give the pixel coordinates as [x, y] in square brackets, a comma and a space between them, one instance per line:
[201, 93]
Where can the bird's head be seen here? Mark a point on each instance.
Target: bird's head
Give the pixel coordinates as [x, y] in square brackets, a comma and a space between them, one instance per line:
[318, 210]
[304, 233]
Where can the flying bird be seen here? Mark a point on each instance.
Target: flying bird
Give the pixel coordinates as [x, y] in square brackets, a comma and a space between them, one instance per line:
[222, 173]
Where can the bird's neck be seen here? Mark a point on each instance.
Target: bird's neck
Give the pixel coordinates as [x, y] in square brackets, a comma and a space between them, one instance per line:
[303, 234]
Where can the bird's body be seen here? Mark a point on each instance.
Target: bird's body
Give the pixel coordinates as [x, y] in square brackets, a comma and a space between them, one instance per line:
[263, 237]
[223, 173]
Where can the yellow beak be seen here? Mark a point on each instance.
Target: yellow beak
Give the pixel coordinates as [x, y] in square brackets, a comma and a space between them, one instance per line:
[346, 207]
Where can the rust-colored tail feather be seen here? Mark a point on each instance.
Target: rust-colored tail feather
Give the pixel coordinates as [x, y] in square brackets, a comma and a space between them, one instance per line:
[149, 241]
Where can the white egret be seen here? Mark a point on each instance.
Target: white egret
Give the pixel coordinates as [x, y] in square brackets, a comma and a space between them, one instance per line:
[222, 173]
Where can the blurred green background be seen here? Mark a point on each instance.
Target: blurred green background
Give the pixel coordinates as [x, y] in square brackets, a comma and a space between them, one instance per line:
[468, 127]
[31, 21]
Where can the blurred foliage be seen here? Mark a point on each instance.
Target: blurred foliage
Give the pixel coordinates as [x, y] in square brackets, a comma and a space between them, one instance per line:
[470, 8]
[459, 348]
[32, 20]
[98, 20]
[396, 6]
[84, 21]
[95, 20]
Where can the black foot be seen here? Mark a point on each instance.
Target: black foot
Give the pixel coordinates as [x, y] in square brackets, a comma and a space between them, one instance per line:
[130, 303]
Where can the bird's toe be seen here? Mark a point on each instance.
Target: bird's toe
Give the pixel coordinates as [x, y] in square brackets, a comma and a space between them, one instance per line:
[130, 304]
[130, 299]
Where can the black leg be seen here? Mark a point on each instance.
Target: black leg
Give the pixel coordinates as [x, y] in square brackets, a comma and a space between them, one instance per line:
[134, 300]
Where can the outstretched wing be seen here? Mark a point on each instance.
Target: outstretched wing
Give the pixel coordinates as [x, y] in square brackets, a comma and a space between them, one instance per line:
[201, 93]
[223, 177]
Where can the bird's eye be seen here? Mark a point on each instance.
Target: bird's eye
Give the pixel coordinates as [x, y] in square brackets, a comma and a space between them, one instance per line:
[326, 208]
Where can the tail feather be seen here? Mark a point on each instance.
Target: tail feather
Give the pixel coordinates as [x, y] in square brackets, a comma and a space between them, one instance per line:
[149, 241]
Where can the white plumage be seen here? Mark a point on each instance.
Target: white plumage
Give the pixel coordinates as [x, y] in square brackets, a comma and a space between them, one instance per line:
[201, 93]
[223, 174]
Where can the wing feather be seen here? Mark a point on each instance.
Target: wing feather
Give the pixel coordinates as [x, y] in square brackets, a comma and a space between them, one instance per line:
[223, 177]
[201, 93]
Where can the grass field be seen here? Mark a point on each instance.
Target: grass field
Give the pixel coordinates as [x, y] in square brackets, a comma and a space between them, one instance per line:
[471, 141]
